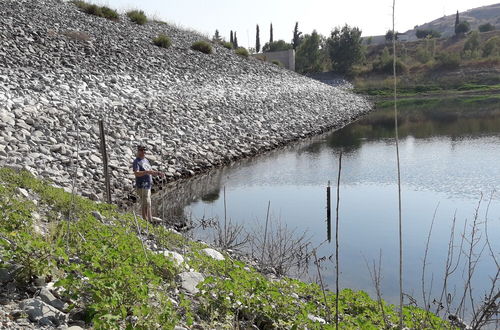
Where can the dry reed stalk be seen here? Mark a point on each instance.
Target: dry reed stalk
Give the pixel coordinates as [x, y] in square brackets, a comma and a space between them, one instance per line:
[337, 246]
[398, 165]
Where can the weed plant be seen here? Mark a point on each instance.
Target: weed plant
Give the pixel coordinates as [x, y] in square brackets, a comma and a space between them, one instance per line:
[278, 63]
[227, 45]
[137, 16]
[99, 11]
[242, 52]
[162, 41]
[202, 46]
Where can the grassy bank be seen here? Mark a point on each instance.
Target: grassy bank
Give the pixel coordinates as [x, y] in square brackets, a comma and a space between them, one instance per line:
[444, 102]
[104, 269]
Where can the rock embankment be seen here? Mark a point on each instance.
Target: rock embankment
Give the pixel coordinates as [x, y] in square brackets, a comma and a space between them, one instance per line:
[61, 71]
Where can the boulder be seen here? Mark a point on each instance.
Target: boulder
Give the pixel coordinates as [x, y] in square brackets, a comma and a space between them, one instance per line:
[213, 254]
[189, 281]
[48, 298]
[176, 257]
[42, 313]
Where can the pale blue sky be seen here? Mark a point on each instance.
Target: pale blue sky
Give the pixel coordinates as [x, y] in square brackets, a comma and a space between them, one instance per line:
[373, 17]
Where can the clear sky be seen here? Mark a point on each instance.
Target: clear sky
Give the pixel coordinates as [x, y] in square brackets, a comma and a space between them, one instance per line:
[373, 17]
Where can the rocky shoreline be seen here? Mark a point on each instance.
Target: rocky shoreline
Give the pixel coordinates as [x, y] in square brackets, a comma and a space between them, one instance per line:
[63, 70]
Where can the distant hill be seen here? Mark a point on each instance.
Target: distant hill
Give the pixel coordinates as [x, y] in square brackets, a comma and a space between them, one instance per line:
[446, 24]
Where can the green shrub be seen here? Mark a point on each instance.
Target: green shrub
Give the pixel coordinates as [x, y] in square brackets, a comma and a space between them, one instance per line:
[384, 64]
[486, 27]
[242, 51]
[99, 11]
[492, 47]
[202, 46]
[276, 62]
[448, 61]
[137, 16]
[162, 41]
[109, 13]
[93, 10]
[462, 28]
[227, 45]
[80, 4]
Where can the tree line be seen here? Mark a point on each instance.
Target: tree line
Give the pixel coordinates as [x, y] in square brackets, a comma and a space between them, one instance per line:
[339, 51]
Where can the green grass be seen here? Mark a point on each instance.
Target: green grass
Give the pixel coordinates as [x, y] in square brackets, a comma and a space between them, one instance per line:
[227, 45]
[202, 46]
[276, 62]
[241, 52]
[99, 11]
[480, 101]
[137, 16]
[408, 91]
[105, 270]
[162, 41]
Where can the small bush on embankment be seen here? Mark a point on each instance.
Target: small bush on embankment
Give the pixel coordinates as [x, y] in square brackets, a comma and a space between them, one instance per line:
[137, 16]
[278, 63]
[100, 11]
[241, 52]
[162, 41]
[202, 46]
[109, 273]
[227, 44]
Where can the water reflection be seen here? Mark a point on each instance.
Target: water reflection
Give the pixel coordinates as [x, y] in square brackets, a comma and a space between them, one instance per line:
[451, 126]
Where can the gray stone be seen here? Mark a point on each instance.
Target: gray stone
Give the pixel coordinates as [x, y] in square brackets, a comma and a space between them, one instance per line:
[48, 298]
[23, 192]
[189, 281]
[98, 216]
[213, 254]
[6, 274]
[42, 313]
[316, 319]
[176, 257]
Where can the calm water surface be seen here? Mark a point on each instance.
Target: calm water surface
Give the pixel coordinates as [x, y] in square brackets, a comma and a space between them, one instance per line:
[450, 165]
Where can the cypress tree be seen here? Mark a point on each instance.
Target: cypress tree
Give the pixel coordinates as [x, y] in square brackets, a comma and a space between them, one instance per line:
[457, 21]
[296, 36]
[235, 40]
[231, 39]
[271, 34]
[257, 39]
[217, 36]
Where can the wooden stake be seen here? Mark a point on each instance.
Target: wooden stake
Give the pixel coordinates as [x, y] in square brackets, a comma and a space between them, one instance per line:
[337, 247]
[328, 214]
[104, 153]
[265, 234]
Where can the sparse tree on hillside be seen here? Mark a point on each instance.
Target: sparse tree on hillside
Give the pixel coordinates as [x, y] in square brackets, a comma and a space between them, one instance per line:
[257, 39]
[389, 35]
[457, 21]
[462, 27]
[217, 36]
[235, 41]
[421, 34]
[492, 47]
[486, 27]
[296, 36]
[231, 38]
[271, 34]
[344, 48]
[471, 46]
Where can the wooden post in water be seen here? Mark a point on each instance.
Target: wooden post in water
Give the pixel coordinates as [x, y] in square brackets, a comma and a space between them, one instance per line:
[104, 152]
[328, 214]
